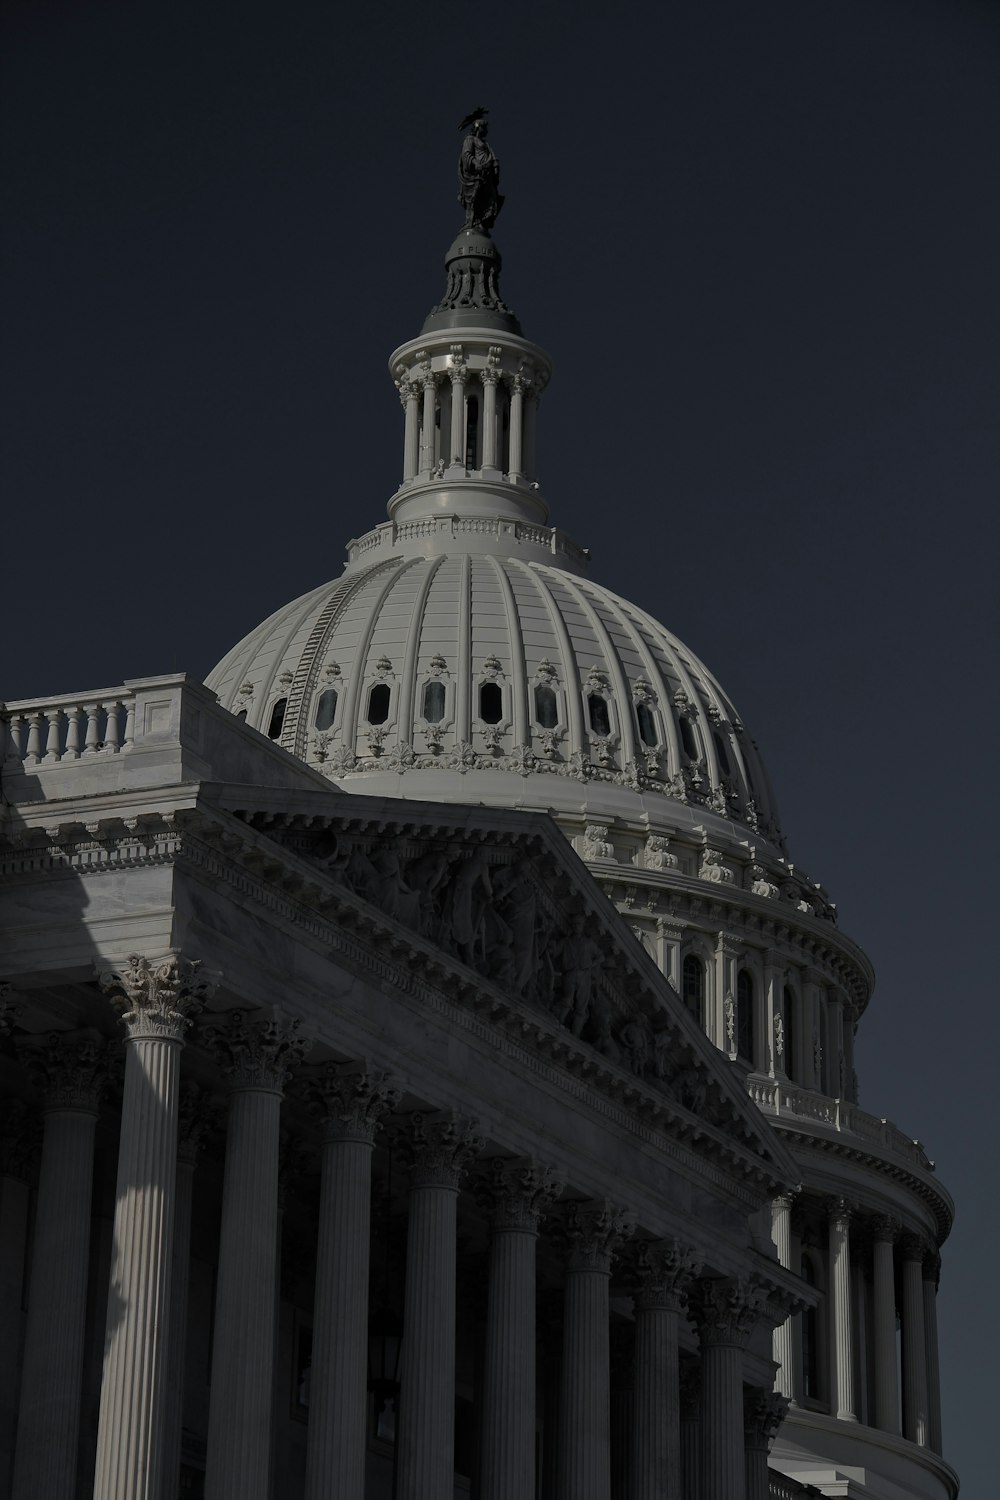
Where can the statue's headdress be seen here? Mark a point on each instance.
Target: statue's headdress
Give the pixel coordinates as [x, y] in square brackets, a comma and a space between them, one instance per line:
[477, 114]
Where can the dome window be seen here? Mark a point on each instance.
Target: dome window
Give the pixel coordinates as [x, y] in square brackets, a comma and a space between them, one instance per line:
[600, 720]
[693, 987]
[433, 706]
[378, 703]
[277, 719]
[326, 708]
[647, 725]
[490, 702]
[546, 706]
[687, 738]
[744, 1016]
[722, 753]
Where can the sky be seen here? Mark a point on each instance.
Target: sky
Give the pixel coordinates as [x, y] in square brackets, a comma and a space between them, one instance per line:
[760, 242]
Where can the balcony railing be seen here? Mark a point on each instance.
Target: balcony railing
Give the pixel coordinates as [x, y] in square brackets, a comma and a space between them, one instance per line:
[788, 1101]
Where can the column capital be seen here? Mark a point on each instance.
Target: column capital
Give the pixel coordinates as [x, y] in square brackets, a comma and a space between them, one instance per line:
[351, 1100]
[257, 1051]
[595, 1231]
[517, 1192]
[886, 1227]
[725, 1309]
[763, 1414]
[489, 375]
[71, 1070]
[157, 997]
[441, 1148]
[913, 1246]
[839, 1212]
[786, 1200]
[665, 1270]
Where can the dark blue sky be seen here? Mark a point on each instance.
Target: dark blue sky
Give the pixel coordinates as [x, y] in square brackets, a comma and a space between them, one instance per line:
[760, 242]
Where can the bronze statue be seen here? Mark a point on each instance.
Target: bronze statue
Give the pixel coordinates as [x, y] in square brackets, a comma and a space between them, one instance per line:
[478, 175]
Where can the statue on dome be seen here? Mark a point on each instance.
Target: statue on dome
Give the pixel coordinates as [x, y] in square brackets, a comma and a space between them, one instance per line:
[478, 175]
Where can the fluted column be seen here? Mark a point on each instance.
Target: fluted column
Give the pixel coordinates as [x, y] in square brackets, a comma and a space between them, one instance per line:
[725, 1310]
[932, 1269]
[841, 1342]
[157, 1001]
[257, 1057]
[763, 1414]
[409, 395]
[916, 1423]
[354, 1103]
[72, 1072]
[689, 1388]
[595, 1231]
[442, 1148]
[194, 1119]
[885, 1231]
[515, 1194]
[859, 1315]
[781, 1340]
[458, 374]
[17, 1139]
[428, 426]
[518, 386]
[665, 1270]
[490, 378]
[622, 1407]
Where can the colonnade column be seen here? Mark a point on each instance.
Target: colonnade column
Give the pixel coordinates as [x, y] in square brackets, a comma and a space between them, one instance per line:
[409, 395]
[595, 1230]
[725, 1311]
[841, 1341]
[515, 466]
[932, 1269]
[689, 1388]
[428, 426]
[194, 1120]
[665, 1273]
[763, 1414]
[442, 1148]
[859, 1315]
[785, 1379]
[885, 1230]
[72, 1071]
[458, 373]
[515, 1195]
[773, 1018]
[490, 377]
[915, 1406]
[257, 1058]
[354, 1104]
[16, 1142]
[157, 1001]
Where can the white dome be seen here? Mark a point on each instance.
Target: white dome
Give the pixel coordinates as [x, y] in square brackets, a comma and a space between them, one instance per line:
[474, 664]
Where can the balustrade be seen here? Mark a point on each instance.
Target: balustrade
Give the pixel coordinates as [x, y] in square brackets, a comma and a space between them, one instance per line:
[43, 732]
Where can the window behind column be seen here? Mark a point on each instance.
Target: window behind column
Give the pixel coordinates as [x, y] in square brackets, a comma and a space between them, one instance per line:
[693, 987]
[744, 1016]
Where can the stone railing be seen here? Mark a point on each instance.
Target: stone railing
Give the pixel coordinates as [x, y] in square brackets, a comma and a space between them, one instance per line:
[45, 731]
[788, 1101]
[780, 1487]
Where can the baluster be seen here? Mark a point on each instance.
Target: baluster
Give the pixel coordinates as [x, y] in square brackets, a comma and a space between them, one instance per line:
[34, 753]
[93, 740]
[73, 715]
[129, 725]
[112, 738]
[53, 739]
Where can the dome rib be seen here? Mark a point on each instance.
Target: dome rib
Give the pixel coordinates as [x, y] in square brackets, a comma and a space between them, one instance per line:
[463, 689]
[657, 681]
[409, 684]
[350, 722]
[616, 671]
[518, 665]
[574, 708]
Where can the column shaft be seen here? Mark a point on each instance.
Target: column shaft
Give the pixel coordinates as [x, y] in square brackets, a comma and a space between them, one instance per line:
[335, 1465]
[180, 1274]
[915, 1406]
[13, 1240]
[428, 430]
[860, 1327]
[134, 1384]
[886, 1381]
[426, 1424]
[723, 1469]
[584, 1428]
[49, 1412]
[755, 1458]
[656, 1458]
[781, 1339]
[841, 1343]
[458, 418]
[411, 432]
[489, 419]
[514, 466]
[239, 1426]
[508, 1454]
[932, 1363]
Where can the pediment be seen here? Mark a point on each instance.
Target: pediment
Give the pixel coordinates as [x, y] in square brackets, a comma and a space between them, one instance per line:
[495, 907]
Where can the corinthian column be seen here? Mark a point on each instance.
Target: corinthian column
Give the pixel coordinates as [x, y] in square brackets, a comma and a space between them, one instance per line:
[725, 1311]
[354, 1103]
[258, 1059]
[665, 1272]
[885, 1230]
[157, 1001]
[490, 378]
[932, 1269]
[781, 1338]
[515, 1195]
[841, 1341]
[442, 1147]
[763, 1414]
[690, 1408]
[72, 1073]
[915, 1406]
[595, 1231]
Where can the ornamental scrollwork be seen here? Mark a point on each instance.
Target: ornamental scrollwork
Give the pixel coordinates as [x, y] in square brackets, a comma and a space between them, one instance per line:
[159, 997]
[725, 1309]
[517, 1193]
[257, 1051]
[440, 1148]
[351, 1102]
[665, 1271]
[594, 1233]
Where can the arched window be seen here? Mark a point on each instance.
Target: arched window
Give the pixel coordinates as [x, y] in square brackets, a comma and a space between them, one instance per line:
[326, 708]
[378, 703]
[721, 752]
[788, 1015]
[693, 987]
[546, 706]
[647, 724]
[471, 431]
[277, 719]
[490, 702]
[433, 706]
[744, 1016]
[687, 738]
[600, 721]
